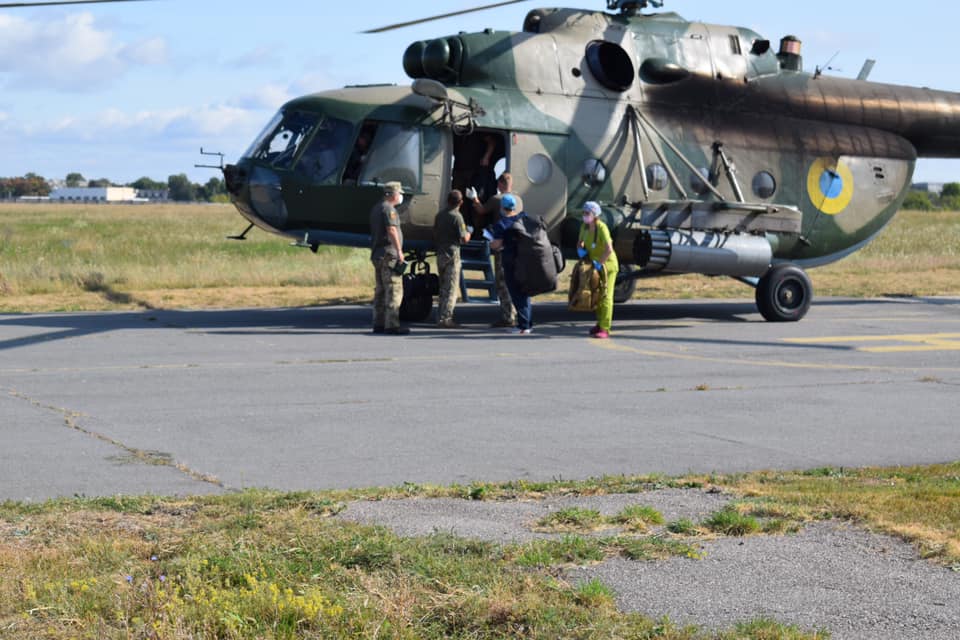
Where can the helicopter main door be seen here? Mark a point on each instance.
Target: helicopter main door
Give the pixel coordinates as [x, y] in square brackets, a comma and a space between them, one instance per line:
[538, 165]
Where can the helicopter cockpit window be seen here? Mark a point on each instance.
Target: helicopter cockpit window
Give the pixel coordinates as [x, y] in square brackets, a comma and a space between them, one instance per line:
[323, 157]
[279, 147]
[394, 156]
[267, 131]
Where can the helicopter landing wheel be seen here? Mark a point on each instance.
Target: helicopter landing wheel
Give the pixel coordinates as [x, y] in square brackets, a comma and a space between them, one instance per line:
[784, 294]
[625, 287]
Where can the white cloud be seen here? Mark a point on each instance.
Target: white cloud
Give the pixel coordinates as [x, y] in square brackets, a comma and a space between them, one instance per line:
[152, 127]
[69, 54]
[152, 51]
[259, 57]
[268, 96]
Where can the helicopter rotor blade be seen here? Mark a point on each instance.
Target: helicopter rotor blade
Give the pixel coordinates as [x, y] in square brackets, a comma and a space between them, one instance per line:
[15, 5]
[401, 25]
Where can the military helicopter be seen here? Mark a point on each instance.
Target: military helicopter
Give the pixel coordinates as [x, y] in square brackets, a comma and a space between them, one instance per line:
[711, 151]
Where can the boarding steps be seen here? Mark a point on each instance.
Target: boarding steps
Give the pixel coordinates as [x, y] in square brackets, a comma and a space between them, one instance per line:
[475, 257]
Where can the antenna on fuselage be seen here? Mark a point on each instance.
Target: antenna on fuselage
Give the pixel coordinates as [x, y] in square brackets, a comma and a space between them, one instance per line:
[819, 71]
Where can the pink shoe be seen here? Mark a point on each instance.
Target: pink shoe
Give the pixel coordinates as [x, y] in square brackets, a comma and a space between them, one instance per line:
[601, 334]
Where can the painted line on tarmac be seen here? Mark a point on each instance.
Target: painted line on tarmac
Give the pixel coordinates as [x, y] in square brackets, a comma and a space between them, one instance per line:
[613, 346]
[902, 343]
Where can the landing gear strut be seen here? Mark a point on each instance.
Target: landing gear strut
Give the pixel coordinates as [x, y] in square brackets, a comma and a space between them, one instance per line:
[784, 294]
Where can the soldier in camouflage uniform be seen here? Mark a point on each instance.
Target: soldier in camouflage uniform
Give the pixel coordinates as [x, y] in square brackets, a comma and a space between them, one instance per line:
[449, 231]
[388, 264]
[487, 214]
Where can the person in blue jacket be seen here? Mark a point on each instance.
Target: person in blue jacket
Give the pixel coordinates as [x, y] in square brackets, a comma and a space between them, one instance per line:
[500, 237]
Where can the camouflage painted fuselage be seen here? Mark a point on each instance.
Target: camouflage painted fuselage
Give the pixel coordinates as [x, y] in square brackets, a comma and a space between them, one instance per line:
[819, 164]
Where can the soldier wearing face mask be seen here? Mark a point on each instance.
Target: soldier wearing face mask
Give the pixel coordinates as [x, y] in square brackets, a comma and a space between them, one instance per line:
[388, 263]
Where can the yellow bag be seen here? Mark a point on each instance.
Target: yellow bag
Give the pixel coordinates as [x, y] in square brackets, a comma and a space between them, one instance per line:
[586, 286]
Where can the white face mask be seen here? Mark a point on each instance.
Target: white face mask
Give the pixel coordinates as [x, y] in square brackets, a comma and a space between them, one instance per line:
[399, 200]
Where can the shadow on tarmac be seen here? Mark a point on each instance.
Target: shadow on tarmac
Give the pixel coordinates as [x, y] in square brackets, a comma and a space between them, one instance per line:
[551, 319]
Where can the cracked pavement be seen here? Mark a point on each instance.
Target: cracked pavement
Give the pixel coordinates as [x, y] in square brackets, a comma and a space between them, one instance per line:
[188, 402]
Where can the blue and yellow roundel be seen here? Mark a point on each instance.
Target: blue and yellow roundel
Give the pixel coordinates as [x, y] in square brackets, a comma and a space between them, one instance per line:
[830, 185]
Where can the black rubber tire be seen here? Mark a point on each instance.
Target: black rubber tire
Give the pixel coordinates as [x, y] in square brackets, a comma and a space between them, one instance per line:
[784, 294]
[625, 289]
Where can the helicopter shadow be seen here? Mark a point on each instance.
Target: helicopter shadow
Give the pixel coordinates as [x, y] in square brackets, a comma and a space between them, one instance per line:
[634, 320]
[50, 327]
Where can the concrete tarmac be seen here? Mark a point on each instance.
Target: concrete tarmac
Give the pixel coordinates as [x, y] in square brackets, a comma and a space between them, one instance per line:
[192, 402]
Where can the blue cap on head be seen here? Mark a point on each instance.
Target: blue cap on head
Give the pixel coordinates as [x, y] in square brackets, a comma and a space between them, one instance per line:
[592, 208]
[508, 202]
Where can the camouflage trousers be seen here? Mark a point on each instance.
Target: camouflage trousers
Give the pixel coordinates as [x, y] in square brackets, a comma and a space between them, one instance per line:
[388, 294]
[448, 266]
[508, 315]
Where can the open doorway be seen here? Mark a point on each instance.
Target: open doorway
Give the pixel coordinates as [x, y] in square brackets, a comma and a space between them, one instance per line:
[478, 159]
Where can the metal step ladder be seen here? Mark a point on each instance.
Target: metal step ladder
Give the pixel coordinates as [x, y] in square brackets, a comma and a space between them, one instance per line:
[475, 257]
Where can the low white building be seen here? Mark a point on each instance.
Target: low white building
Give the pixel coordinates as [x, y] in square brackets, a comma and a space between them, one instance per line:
[935, 188]
[94, 194]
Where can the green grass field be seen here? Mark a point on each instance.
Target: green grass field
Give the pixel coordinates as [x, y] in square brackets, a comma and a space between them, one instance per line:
[79, 257]
[260, 564]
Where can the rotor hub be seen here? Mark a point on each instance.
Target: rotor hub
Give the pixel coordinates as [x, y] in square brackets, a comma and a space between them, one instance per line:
[631, 7]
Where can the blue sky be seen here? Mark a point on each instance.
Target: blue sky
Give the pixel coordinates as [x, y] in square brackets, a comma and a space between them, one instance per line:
[126, 90]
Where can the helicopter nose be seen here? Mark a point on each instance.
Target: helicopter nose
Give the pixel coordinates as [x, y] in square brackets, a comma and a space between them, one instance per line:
[234, 177]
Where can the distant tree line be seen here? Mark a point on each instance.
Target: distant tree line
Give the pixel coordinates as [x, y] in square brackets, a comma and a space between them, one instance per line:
[180, 188]
[948, 200]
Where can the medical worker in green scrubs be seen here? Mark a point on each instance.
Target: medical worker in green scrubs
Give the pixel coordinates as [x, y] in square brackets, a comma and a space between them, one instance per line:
[596, 243]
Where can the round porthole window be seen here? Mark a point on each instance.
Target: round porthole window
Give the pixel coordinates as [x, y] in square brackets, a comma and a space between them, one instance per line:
[764, 185]
[698, 181]
[594, 173]
[657, 177]
[539, 168]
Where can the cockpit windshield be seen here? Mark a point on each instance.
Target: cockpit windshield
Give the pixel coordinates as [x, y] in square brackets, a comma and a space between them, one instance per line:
[278, 146]
[316, 143]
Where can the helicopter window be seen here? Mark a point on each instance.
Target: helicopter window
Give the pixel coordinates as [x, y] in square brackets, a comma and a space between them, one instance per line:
[594, 173]
[394, 155]
[539, 168]
[280, 146]
[324, 155]
[764, 185]
[432, 144]
[698, 181]
[657, 176]
[267, 130]
[360, 153]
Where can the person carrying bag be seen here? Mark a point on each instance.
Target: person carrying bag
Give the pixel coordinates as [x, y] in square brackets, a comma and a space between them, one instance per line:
[587, 286]
[595, 245]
